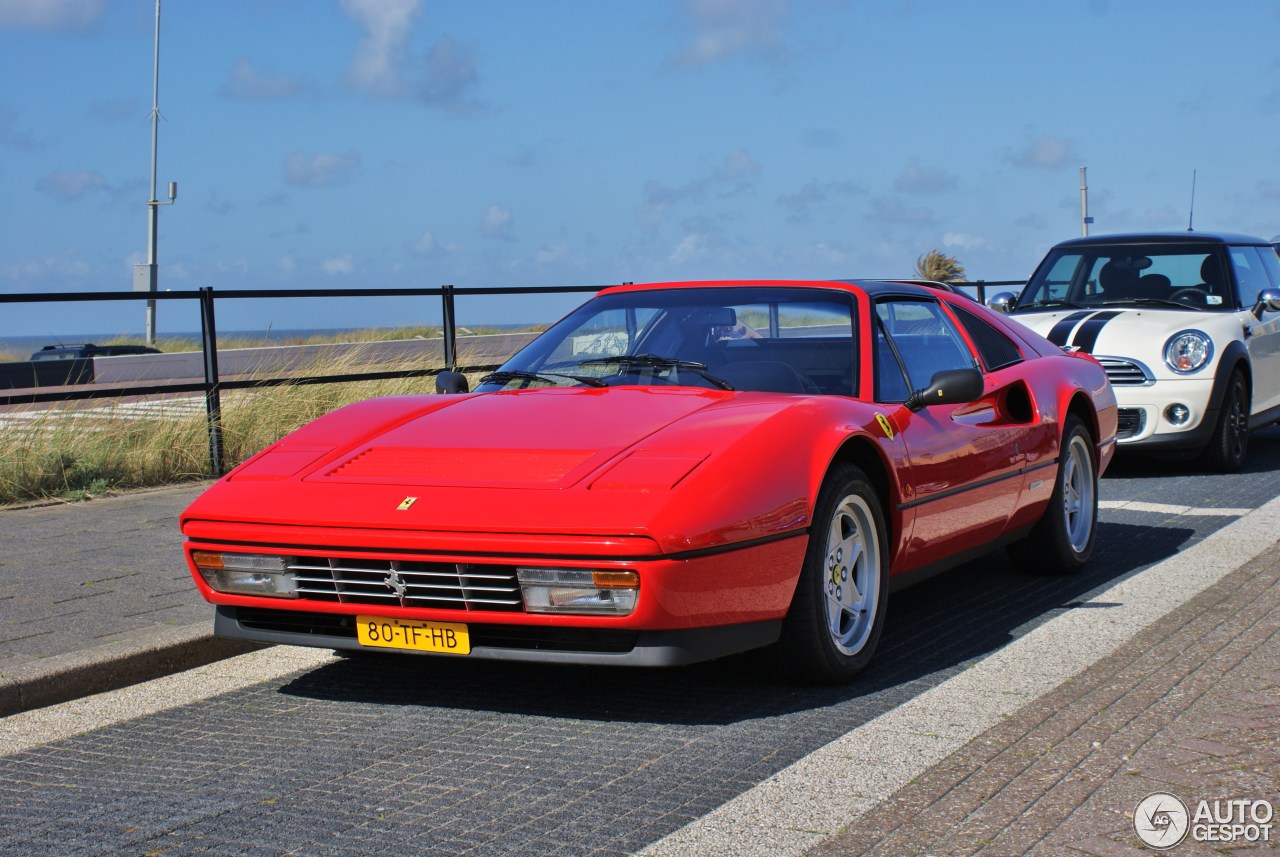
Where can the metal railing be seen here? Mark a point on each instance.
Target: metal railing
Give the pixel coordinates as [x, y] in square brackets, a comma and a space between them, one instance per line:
[212, 384]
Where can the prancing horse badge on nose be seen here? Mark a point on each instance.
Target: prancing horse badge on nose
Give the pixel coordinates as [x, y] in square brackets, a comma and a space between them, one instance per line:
[406, 503]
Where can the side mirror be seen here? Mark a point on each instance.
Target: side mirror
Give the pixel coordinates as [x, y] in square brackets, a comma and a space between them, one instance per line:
[948, 387]
[1268, 301]
[452, 382]
[1004, 302]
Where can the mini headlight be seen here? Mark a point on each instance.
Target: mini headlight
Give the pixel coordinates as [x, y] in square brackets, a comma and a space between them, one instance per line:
[246, 574]
[1188, 351]
[578, 590]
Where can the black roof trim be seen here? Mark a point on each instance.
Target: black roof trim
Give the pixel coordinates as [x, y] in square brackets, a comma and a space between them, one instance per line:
[1164, 238]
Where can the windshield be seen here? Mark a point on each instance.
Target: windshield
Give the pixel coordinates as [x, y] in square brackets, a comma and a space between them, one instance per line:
[1182, 277]
[768, 339]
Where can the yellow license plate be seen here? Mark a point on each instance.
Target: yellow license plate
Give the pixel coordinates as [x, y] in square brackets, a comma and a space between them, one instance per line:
[449, 637]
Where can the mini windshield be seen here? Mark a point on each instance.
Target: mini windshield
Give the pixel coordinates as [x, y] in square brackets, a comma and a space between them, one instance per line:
[1181, 277]
[767, 339]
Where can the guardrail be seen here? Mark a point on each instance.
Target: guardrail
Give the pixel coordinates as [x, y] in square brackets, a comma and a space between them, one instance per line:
[213, 383]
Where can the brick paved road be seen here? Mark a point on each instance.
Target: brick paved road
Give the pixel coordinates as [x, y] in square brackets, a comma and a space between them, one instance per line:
[1190, 707]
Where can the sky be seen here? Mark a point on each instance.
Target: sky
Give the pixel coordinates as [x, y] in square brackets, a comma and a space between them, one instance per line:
[512, 143]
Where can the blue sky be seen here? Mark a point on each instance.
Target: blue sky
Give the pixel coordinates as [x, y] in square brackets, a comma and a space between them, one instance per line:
[363, 143]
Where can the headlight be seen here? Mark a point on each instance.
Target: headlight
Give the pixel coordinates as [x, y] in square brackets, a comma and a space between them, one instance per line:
[246, 574]
[1188, 351]
[578, 590]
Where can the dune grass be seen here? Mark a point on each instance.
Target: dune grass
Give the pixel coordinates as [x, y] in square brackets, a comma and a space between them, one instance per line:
[80, 450]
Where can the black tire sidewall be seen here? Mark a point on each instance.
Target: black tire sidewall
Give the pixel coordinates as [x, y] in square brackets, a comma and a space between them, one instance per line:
[806, 647]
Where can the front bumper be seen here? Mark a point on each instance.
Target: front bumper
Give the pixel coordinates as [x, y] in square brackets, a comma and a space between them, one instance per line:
[690, 607]
[599, 646]
[1143, 422]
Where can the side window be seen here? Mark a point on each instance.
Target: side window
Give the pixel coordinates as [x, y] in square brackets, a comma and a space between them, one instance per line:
[1271, 264]
[996, 350]
[1250, 276]
[915, 338]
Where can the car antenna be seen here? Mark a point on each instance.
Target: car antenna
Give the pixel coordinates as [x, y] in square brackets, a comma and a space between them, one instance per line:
[1192, 213]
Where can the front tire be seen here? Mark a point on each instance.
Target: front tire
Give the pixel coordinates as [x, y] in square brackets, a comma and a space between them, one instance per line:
[1226, 450]
[837, 613]
[1062, 540]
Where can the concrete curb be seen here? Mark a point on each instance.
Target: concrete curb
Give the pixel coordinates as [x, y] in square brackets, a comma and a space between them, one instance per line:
[134, 657]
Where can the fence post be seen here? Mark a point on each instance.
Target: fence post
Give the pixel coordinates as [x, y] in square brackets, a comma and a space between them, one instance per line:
[982, 292]
[212, 397]
[449, 329]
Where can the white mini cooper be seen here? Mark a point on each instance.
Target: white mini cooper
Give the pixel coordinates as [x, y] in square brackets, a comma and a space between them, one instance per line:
[1186, 324]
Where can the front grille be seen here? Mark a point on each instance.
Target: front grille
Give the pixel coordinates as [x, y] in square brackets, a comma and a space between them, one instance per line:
[407, 583]
[482, 635]
[1129, 422]
[1123, 372]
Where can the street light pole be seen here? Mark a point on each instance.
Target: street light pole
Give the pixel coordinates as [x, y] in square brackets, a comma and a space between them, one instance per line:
[145, 276]
[1085, 219]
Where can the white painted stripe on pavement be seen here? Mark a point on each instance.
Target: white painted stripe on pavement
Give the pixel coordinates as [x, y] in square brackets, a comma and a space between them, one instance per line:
[830, 788]
[1172, 509]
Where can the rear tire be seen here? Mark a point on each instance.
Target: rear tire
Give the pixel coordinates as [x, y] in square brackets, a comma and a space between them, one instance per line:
[1062, 540]
[837, 613]
[1226, 450]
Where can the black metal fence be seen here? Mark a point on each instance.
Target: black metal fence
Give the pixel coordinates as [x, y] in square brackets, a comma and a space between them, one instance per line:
[212, 383]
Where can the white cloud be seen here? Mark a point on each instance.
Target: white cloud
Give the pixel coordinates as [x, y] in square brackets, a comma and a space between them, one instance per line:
[377, 67]
[692, 247]
[425, 245]
[1044, 152]
[890, 209]
[802, 202]
[247, 83]
[736, 173]
[286, 264]
[71, 185]
[55, 15]
[919, 179]
[319, 170]
[45, 268]
[497, 222]
[447, 76]
[963, 241]
[723, 29]
[338, 266]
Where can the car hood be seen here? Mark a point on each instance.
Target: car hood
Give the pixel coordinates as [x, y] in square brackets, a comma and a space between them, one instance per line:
[1138, 334]
[627, 461]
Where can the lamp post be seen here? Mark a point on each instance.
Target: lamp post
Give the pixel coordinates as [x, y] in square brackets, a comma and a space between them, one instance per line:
[1085, 219]
[145, 276]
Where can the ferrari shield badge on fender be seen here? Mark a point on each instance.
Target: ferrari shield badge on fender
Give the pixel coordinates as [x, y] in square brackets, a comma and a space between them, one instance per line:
[886, 425]
[406, 503]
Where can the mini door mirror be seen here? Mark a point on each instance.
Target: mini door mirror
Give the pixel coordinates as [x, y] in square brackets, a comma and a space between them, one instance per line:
[1003, 302]
[452, 382]
[948, 387]
[1268, 301]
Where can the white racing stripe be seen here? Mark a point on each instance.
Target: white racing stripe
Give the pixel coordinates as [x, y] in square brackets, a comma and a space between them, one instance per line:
[826, 791]
[1171, 509]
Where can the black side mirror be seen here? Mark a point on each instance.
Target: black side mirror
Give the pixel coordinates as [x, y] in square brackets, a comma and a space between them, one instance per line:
[452, 382]
[948, 387]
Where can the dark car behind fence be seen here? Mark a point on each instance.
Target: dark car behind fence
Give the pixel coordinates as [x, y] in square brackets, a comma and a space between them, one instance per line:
[35, 382]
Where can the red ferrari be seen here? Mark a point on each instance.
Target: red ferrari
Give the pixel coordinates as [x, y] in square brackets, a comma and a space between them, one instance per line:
[673, 472]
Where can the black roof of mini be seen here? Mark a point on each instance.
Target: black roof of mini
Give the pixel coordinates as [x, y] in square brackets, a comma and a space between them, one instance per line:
[1163, 238]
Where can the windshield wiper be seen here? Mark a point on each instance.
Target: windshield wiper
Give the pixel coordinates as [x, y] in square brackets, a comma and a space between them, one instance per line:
[1049, 303]
[521, 375]
[1156, 301]
[656, 362]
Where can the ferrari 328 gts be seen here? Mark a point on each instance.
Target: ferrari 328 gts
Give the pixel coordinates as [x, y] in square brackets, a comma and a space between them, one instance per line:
[673, 472]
